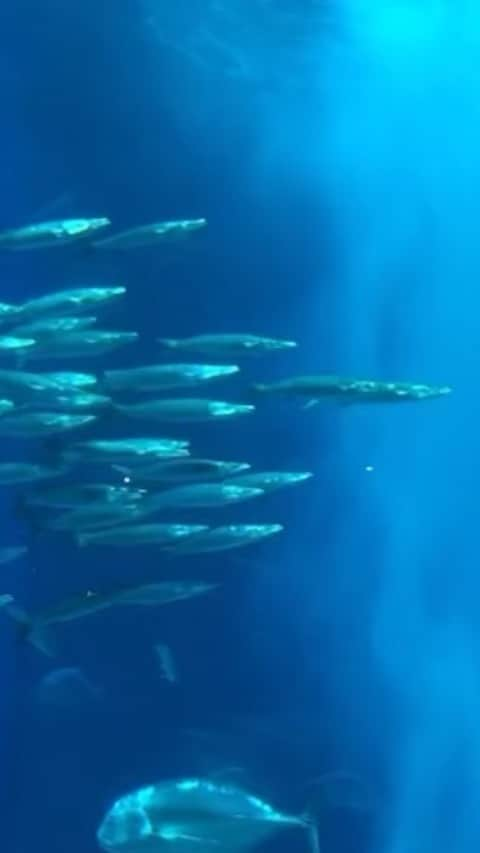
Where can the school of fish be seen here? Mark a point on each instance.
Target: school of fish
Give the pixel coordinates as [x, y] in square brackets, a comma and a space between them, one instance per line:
[131, 491]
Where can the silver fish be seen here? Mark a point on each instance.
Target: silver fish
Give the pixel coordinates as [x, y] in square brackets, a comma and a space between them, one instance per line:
[46, 234]
[34, 628]
[67, 380]
[183, 410]
[140, 534]
[189, 815]
[82, 344]
[349, 391]
[162, 377]
[151, 234]
[50, 327]
[127, 450]
[19, 385]
[70, 302]
[33, 424]
[96, 515]
[228, 345]
[26, 472]
[199, 495]
[188, 470]
[71, 495]
[270, 481]
[10, 343]
[74, 401]
[226, 537]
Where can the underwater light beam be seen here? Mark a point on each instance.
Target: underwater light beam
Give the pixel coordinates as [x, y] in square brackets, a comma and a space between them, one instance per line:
[402, 166]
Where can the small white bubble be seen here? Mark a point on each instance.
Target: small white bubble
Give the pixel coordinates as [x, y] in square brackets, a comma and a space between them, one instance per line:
[369, 468]
[127, 480]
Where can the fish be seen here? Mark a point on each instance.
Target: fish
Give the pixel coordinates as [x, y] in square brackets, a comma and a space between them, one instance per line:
[140, 534]
[52, 326]
[82, 344]
[10, 553]
[196, 814]
[186, 470]
[151, 234]
[33, 424]
[70, 302]
[199, 496]
[347, 390]
[8, 312]
[19, 385]
[67, 380]
[270, 481]
[96, 515]
[162, 377]
[71, 495]
[66, 688]
[73, 401]
[11, 343]
[46, 234]
[188, 409]
[166, 663]
[228, 344]
[126, 450]
[34, 627]
[27, 472]
[225, 538]
[6, 406]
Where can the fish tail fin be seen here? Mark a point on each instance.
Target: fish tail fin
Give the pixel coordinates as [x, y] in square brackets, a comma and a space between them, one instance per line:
[171, 343]
[27, 630]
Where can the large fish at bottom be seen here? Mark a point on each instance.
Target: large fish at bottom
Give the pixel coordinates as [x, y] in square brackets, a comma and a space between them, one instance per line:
[193, 816]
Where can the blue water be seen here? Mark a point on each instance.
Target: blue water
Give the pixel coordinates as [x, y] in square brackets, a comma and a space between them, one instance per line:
[333, 149]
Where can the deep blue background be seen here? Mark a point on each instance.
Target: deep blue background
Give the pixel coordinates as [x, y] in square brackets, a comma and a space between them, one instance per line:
[271, 668]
